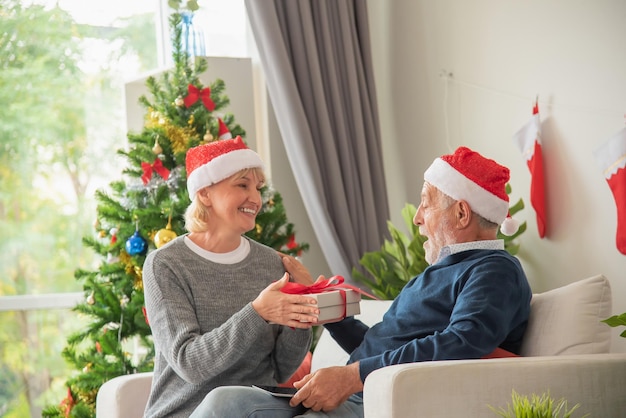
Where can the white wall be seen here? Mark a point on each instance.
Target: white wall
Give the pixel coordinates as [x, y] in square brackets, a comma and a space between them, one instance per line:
[501, 55]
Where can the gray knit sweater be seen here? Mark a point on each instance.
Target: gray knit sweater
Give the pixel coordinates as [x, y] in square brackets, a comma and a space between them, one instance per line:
[206, 333]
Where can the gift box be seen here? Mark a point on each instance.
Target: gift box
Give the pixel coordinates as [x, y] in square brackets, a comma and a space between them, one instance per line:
[331, 305]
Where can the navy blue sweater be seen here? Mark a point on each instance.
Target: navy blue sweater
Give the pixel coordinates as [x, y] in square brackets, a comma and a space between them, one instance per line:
[462, 307]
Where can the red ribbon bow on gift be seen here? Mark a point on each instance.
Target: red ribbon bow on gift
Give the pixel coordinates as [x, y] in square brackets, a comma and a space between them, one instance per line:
[327, 285]
[195, 93]
[156, 166]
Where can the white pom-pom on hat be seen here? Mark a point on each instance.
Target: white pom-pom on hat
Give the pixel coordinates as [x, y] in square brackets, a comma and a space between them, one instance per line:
[509, 226]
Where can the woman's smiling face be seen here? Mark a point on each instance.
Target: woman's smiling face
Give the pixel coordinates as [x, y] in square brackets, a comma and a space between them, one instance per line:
[235, 201]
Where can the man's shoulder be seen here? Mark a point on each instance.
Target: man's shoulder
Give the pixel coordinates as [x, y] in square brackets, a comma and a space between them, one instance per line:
[500, 258]
[476, 263]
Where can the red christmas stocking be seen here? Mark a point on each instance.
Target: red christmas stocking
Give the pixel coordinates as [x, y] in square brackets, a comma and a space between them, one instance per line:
[528, 140]
[612, 159]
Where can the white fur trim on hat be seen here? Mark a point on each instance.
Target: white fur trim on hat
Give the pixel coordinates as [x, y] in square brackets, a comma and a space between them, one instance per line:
[451, 182]
[222, 167]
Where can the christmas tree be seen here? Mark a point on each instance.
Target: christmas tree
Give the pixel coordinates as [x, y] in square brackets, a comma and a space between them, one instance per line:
[143, 211]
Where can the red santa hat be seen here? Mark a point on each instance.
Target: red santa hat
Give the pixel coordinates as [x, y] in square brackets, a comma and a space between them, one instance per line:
[223, 132]
[481, 182]
[213, 162]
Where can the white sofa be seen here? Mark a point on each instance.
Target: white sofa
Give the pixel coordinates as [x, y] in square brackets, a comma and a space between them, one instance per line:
[565, 352]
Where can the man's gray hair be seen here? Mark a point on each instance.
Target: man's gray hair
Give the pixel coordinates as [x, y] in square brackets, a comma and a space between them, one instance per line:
[483, 223]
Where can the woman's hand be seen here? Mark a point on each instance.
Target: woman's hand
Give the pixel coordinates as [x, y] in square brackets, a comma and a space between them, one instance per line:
[296, 311]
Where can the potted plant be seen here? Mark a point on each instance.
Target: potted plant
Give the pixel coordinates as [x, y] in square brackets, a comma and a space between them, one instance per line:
[536, 406]
[617, 321]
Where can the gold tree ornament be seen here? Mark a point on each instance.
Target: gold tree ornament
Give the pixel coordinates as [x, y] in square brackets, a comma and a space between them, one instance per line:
[179, 101]
[91, 299]
[165, 235]
[157, 147]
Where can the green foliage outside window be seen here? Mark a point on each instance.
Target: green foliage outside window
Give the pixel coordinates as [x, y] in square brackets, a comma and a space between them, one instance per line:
[49, 108]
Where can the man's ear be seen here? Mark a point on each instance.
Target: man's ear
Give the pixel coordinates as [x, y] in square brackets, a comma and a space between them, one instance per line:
[463, 213]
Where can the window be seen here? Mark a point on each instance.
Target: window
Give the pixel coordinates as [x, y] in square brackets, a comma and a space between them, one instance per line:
[64, 67]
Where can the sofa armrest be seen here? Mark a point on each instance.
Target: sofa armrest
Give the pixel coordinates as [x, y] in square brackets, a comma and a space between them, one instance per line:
[124, 396]
[466, 387]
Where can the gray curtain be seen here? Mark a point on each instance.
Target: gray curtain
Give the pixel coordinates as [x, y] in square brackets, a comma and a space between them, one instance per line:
[317, 61]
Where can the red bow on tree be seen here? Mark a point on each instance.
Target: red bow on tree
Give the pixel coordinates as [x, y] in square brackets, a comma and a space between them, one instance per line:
[195, 94]
[68, 403]
[156, 166]
[292, 244]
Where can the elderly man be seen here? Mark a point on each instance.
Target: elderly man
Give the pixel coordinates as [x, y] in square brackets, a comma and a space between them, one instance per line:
[473, 298]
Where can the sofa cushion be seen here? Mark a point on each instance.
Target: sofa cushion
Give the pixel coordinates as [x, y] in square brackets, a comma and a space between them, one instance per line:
[500, 353]
[566, 320]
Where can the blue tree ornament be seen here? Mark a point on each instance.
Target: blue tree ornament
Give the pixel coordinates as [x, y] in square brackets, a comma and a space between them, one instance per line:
[136, 244]
[192, 36]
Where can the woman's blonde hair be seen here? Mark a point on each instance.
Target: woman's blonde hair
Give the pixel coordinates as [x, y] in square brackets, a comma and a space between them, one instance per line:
[197, 214]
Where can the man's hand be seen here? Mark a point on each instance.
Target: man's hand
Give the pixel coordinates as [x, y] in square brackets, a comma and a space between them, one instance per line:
[285, 309]
[327, 388]
[296, 270]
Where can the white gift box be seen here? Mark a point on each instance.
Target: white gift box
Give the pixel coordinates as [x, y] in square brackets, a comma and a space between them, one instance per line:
[331, 305]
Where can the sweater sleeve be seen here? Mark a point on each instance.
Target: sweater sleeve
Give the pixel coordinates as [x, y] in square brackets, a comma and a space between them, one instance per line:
[348, 333]
[487, 307]
[291, 348]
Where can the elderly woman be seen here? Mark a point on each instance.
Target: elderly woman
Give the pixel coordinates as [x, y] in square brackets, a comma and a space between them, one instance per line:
[213, 295]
